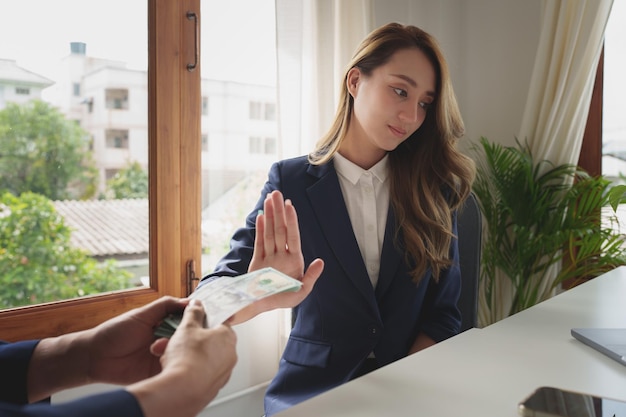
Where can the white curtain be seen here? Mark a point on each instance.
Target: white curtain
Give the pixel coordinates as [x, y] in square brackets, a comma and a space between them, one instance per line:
[315, 40]
[569, 48]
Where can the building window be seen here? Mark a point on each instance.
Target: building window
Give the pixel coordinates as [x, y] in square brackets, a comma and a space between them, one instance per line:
[76, 89]
[259, 145]
[110, 173]
[254, 144]
[23, 91]
[270, 146]
[116, 138]
[255, 110]
[205, 106]
[117, 98]
[205, 142]
[270, 111]
[262, 111]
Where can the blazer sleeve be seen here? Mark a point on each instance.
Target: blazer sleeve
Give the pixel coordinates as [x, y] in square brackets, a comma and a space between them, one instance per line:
[14, 360]
[118, 403]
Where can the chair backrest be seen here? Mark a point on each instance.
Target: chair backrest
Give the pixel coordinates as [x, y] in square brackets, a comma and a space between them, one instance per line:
[469, 227]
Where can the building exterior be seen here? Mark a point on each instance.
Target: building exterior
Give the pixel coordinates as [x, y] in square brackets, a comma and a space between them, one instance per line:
[19, 85]
[110, 101]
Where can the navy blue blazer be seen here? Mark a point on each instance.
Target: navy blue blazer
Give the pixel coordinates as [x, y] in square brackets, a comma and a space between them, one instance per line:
[344, 318]
[14, 360]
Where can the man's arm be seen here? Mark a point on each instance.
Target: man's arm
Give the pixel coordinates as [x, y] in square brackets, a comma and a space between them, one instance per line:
[114, 403]
[14, 361]
[177, 376]
[14, 364]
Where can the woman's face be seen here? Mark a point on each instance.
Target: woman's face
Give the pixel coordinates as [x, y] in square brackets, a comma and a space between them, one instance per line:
[389, 104]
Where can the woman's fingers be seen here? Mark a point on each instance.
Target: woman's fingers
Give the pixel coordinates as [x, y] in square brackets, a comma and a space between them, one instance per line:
[269, 242]
[259, 241]
[276, 225]
[280, 227]
[292, 228]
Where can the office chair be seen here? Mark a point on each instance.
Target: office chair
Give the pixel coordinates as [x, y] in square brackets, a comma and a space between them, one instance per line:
[469, 227]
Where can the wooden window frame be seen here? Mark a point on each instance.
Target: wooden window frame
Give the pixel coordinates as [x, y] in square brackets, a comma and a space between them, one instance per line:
[590, 158]
[174, 108]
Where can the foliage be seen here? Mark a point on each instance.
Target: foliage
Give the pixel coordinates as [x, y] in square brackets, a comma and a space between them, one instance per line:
[37, 263]
[538, 218]
[44, 153]
[129, 182]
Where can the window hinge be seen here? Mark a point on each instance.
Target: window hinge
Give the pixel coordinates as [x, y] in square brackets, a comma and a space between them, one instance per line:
[191, 276]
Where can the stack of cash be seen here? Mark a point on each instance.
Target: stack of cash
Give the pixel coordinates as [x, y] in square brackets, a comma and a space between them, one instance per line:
[223, 297]
[168, 325]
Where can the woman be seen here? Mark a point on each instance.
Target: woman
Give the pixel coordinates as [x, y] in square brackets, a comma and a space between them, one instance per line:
[377, 201]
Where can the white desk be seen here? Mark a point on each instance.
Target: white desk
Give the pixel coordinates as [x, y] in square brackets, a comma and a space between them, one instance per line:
[486, 372]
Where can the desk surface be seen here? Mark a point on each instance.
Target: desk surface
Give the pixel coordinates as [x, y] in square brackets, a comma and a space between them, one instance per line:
[487, 372]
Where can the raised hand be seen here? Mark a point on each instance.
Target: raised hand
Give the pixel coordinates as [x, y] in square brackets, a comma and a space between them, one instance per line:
[277, 244]
[277, 240]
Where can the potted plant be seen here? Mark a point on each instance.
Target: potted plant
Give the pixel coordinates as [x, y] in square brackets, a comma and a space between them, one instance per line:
[542, 227]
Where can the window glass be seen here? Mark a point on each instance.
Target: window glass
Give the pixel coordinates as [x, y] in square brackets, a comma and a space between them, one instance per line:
[239, 74]
[205, 106]
[613, 121]
[73, 159]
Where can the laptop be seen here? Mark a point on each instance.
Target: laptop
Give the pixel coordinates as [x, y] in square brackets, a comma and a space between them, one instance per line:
[611, 342]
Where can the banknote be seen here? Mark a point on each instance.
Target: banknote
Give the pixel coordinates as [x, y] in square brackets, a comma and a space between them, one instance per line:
[168, 325]
[223, 297]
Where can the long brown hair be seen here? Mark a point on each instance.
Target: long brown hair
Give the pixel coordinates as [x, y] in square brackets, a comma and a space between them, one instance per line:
[429, 177]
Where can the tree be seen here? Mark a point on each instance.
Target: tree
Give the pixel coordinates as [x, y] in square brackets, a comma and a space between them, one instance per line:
[37, 262]
[129, 182]
[42, 152]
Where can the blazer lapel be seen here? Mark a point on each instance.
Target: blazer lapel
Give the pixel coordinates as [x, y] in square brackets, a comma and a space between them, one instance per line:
[327, 202]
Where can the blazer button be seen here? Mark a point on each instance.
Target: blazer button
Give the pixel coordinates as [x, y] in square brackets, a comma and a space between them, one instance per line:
[372, 331]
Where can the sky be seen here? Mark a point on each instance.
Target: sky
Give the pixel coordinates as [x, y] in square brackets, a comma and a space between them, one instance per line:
[37, 34]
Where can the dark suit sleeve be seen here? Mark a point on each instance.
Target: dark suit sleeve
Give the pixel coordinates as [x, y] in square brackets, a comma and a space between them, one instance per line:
[14, 360]
[119, 403]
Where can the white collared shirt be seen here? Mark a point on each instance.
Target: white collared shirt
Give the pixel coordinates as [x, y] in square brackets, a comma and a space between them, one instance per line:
[366, 193]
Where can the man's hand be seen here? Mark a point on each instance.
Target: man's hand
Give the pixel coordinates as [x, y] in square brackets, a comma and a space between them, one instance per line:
[120, 349]
[177, 376]
[197, 363]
